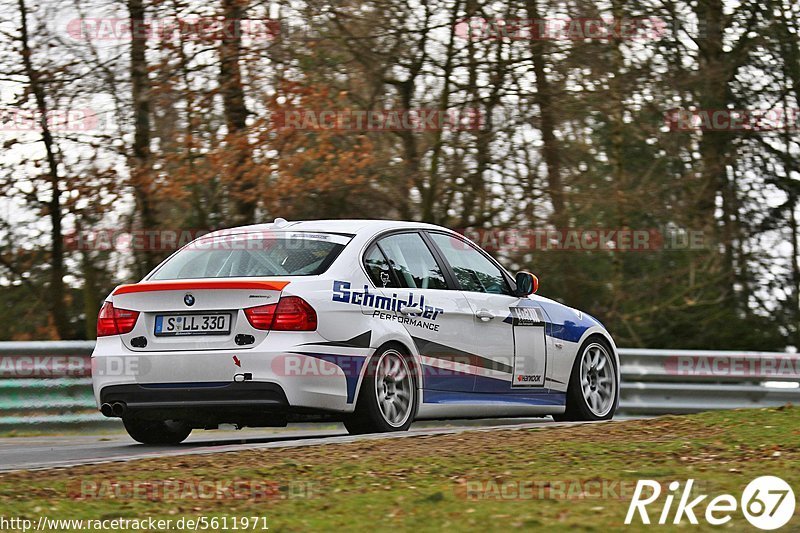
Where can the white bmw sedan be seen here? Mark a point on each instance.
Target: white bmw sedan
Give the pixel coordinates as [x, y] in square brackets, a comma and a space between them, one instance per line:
[372, 323]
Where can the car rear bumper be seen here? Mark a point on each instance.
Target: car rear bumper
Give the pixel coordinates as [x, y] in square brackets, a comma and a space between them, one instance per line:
[288, 375]
[207, 405]
[196, 395]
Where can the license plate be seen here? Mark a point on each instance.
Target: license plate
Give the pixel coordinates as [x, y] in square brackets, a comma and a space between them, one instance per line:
[216, 324]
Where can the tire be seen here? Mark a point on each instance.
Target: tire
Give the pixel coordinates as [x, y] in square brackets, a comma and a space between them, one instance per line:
[154, 432]
[590, 397]
[388, 399]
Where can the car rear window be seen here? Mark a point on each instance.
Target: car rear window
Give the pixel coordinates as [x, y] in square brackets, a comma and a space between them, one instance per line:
[254, 255]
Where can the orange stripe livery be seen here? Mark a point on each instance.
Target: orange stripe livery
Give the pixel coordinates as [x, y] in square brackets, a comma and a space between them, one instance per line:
[150, 286]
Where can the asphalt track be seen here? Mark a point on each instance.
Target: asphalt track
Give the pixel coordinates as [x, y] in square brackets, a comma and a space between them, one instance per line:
[37, 453]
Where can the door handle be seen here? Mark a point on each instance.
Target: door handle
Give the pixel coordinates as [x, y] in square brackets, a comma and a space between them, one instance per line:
[410, 310]
[484, 315]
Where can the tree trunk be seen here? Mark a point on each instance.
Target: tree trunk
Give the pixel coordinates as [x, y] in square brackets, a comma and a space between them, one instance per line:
[55, 297]
[547, 124]
[616, 156]
[791, 67]
[430, 197]
[230, 83]
[716, 147]
[140, 164]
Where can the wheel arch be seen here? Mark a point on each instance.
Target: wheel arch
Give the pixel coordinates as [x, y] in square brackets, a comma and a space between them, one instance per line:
[405, 347]
[577, 408]
[601, 333]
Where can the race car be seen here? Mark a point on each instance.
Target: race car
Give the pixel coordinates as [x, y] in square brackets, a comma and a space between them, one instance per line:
[373, 323]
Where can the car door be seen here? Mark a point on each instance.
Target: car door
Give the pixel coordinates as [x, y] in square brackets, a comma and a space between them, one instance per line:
[420, 295]
[508, 331]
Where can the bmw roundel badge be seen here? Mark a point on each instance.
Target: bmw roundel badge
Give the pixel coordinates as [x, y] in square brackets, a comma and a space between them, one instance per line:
[188, 299]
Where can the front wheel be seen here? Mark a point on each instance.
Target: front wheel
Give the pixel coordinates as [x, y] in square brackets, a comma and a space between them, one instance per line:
[593, 391]
[388, 397]
[154, 432]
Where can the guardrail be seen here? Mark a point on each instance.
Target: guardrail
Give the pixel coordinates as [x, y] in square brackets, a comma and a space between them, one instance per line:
[49, 383]
[658, 382]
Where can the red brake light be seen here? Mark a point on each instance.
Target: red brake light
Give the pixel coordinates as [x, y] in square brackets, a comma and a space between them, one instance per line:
[261, 317]
[291, 313]
[294, 314]
[113, 321]
[126, 319]
[105, 321]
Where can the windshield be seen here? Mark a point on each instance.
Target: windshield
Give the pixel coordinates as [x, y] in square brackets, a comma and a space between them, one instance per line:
[254, 255]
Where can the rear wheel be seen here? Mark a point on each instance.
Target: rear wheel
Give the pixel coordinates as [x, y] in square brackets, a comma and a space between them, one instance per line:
[157, 431]
[593, 392]
[388, 397]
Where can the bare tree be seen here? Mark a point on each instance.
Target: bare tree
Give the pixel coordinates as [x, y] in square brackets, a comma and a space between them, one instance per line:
[36, 84]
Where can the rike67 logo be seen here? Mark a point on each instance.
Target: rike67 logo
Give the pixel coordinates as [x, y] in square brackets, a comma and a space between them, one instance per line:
[767, 502]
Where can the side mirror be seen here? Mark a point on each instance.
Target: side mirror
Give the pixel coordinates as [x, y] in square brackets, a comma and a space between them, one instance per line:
[527, 284]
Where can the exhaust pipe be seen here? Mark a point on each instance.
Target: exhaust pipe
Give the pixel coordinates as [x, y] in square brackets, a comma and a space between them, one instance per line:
[107, 410]
[118, 409]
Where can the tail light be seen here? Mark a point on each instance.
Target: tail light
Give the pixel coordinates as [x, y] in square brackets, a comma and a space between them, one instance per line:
[291, 313]
[261, 317]
[294, 314]
[113, 321]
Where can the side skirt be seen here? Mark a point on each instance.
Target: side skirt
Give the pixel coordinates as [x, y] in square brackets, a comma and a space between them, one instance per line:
[446, 404]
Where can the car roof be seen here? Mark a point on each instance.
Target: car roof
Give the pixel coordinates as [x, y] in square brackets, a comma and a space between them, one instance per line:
[352, 226]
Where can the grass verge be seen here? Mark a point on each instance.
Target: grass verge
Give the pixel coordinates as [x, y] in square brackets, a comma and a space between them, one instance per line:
[534, 478]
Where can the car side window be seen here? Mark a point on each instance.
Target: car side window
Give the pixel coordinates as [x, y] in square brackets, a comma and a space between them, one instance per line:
[378, 268]
[412, 261]
[473, 270]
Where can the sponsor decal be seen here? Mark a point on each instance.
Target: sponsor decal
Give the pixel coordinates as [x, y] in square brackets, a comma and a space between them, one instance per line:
[343, 293]
[406, 320]
[529, 378]
[526, 316]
